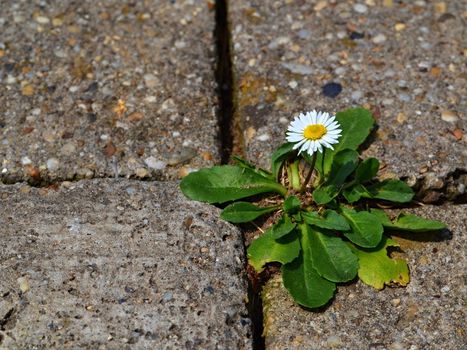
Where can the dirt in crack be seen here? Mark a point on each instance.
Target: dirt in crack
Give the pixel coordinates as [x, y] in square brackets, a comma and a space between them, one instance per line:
[230, 141]
[224, 78]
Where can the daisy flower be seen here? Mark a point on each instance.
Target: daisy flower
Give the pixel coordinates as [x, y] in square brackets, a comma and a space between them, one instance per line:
[312, 131]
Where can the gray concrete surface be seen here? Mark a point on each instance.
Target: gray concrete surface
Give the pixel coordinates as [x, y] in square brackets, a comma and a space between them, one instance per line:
[100, 88]
[405, 61]
[429, 313]
[104, 264]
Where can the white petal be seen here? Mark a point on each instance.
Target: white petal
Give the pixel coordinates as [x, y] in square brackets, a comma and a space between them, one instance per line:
[329, 138]
[329, 121]
[319, 116]
[334, 131]
[297, 130]
[304, 147]
[325, 143]
[303, 121]
[292, 137]
[315, 118]
[315, 146]
[320, 148]
[299, 144]
[296, 124]
[307, 119]
[332, 126]
[333, 136]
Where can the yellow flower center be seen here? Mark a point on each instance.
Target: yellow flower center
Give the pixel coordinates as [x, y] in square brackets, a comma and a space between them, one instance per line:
[314, 131]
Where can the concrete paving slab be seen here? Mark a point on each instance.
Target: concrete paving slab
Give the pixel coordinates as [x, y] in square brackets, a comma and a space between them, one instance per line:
[429, 313]
[402, 60]
[104, 264]
[106, 88]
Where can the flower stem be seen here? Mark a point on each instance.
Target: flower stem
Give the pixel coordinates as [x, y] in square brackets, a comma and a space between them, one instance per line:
[310, 172]
[295, 175]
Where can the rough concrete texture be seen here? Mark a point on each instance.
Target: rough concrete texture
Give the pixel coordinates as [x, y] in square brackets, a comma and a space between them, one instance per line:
[404, 60]
[105, 264]
[429, 313]
[98, 89]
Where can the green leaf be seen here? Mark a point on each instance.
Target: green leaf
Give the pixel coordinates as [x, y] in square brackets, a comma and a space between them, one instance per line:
[280, 156]
[354, 193]
[267, 249]
[305, 285]
[301, 279]
[366, 229]
[408, 222]
[356, 125]
[283, 227]
[291, 205]
[414, 223]
[225, 183]
[367, 170]
[245, 164]
[325, 194]
[345, 162]
[390, 190]
[330, 220]
[382, 217]
[244, 212]
[377, 268]
[331, 257]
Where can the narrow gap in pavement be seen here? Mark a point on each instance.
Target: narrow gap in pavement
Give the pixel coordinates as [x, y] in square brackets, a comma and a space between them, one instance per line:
[224, 80]
[231, 141]
[55, 183]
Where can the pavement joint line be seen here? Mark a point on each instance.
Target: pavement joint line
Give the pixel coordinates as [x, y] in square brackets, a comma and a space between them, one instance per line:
[418, 185]
[45, 184]
[231, 142]
[223, 76]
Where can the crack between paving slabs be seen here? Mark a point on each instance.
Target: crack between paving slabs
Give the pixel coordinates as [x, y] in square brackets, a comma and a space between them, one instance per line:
[55, 183]
[231, 142]
[424, 193]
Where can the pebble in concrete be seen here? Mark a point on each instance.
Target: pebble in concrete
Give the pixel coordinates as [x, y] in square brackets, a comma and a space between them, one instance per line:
[119, 89]
[429, 313]
[404, 61]
[106, 264]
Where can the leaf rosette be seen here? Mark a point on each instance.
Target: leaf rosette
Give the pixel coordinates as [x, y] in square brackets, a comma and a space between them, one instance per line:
[323, 199]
